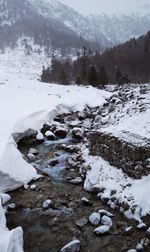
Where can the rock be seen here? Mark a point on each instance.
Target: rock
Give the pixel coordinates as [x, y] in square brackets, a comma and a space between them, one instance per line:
[139, 247]
[81, 115]
[31, 157]
[46, 203]
[71, 162]
[53, 221]
[61, 131]
[73, 246]
[132, 250]
[50, 135]
[40, 137]
[72, 149]
[12, 206]
[95, 218]
[33, 187]
[53, 162]
[102, 230]
[26, 186]
[82, 222]
[104, 212]
[33, 151]
[142, 226]
[45, 128]
[28, 136]
[148, 231]
[106, 221]
[78, 133]
[86, 202]
[76, 181]
[129, 230]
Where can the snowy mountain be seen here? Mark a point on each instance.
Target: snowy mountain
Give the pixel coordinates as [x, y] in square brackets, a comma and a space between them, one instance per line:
[120, 28]
[39, 20]
[54, 26]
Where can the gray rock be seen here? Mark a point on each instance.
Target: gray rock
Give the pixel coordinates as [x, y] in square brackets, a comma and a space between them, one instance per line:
[102, 230]
[82, 222]
[106, 221]
[95, 218]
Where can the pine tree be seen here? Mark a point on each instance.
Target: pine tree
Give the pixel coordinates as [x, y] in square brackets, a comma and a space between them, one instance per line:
[118, 77]
[63, 77]
[78, 80]
[92, 76]
[103, 78]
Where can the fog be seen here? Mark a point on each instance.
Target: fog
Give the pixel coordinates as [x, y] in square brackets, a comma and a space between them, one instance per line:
[109, 6]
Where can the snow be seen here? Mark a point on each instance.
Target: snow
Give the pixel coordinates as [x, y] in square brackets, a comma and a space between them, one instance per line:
[25, 103]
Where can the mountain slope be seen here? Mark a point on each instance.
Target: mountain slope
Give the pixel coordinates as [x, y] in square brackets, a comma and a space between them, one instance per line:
[35, 19]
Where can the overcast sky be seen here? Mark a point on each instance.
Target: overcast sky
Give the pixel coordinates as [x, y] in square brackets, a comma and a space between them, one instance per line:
[107, 6]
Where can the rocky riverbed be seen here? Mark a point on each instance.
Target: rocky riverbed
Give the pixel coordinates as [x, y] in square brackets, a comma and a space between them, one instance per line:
[55, 209]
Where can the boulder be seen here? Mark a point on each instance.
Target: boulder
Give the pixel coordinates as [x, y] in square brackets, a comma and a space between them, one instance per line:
[95, 218]
[73, 246]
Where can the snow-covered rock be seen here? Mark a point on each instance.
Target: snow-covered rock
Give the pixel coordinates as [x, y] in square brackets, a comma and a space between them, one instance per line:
[33, 151]
[78, 133]
[86, 201]
[73, 246]
[61, 131]
[102, 230]
[46, 203]
[141, 225]
[31, 157]
[40, 137]
[95, 218]
[12, 206]
[50, 135]
[104, 212]
[105, 220]
[33, 187]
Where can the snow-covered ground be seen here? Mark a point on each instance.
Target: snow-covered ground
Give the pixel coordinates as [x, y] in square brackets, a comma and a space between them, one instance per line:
[26, 103]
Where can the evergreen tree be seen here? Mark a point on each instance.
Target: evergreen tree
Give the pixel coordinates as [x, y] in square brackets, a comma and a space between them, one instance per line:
[45, 76]
[103, 78]
[78, 80]
[63, 77]
[118, 77]
[92, 76]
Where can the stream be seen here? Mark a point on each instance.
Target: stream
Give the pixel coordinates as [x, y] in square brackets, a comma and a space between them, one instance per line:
[49, 229]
